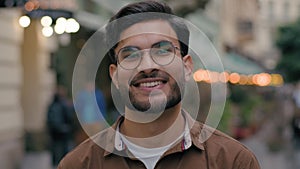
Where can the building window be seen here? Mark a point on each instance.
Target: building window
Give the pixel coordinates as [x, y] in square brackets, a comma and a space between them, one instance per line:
[286, 11]
[245, 30]
[298, 10]
[271, 10]
[245, 26]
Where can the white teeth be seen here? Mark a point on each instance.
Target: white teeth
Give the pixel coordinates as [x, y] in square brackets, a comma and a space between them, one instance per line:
[151, 84]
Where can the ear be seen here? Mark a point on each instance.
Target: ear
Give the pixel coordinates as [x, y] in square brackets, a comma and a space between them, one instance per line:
[113, 74]
[188, 66]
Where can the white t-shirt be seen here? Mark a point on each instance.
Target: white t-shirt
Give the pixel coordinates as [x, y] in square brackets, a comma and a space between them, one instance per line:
[150, 156]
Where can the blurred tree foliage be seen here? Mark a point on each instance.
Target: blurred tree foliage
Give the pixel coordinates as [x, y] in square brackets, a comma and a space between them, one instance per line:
[225, 123]
[288, 42]
[248, 102]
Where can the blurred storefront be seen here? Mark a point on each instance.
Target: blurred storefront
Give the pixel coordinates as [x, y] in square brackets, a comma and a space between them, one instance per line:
[36, 56]
[27, 80]
[26, 85]
[11, 81]
[38, 82]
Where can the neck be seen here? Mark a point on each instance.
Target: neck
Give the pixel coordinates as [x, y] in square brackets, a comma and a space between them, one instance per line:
[168, 126]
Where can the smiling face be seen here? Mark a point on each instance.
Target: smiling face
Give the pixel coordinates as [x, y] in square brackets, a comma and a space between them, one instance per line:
[151, 85]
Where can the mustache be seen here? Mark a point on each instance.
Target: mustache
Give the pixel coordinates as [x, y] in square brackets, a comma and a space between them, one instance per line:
[153, 74]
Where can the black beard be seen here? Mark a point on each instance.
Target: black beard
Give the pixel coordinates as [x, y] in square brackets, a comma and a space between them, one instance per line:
[172, 99]
[131, 100]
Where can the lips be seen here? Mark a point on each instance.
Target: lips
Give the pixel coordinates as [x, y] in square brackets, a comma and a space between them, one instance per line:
[151, 84]
[152, 80]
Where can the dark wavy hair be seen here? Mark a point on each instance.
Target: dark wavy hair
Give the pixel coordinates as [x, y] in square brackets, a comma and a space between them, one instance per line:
[116, 27]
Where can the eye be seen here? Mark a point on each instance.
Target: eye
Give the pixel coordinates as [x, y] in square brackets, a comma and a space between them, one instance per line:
[162, 48]
[160, 52]
[133, 55]
[128, 53]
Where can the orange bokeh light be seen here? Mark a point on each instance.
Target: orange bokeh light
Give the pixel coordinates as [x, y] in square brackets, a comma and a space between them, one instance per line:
[263, 79]
[213, 77]
[36, 4]
[29, 6]
[250, 80]
[201, 75]
[32, 5]
[234, 78]
[198, 76]
[243, 80]
[277, 80]
[224, 77]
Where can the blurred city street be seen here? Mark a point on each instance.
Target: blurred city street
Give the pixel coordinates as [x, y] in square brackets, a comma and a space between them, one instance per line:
[42, 42]
[287, 157]
[37, 160]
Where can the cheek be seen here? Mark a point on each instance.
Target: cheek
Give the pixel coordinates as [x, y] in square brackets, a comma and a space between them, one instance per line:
[175, 69]
[124, 77]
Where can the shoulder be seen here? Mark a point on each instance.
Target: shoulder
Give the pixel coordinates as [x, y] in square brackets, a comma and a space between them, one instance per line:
[221, 147]
[84, 154]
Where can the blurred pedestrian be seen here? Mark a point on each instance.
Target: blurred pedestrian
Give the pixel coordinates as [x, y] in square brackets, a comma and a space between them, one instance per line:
[296, 116]
[87, 111]
[60, 123]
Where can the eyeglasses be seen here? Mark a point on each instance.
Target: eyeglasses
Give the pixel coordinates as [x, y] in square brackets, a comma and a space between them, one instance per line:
[162, 53]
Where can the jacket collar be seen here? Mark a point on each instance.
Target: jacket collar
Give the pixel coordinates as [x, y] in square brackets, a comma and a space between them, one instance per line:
[191, 137]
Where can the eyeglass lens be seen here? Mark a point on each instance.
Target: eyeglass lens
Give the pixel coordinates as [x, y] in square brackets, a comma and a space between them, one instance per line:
[162, 53]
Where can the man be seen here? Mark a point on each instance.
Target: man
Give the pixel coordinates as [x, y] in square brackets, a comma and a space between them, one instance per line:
[150, 66]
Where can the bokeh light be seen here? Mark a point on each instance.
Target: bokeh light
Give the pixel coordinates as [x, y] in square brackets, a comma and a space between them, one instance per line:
[224, 77]
[61, 20]
[29, 6]
[72, 26]
[24, 21]
[47, 31]
[59, 28]
[46, 21]
[261, 79]
[234, 78]
[243, 80]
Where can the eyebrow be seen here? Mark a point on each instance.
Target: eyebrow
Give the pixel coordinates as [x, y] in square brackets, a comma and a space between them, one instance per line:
[131, 46]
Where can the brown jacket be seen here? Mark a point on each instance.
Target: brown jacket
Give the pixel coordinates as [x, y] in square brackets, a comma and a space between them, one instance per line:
[219, 151]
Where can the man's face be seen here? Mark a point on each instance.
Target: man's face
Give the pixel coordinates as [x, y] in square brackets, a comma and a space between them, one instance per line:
[163, 84]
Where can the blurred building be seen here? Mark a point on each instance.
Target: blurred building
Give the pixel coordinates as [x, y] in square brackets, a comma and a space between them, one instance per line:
[33, 60]
[11, 81]
[249, 26]
[229, 32]
[27, 80]
[272, 14]
[26, 84]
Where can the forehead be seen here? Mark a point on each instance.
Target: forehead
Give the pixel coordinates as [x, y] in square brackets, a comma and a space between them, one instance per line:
[147, 32]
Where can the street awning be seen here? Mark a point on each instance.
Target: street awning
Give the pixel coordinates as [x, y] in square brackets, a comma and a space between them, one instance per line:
[236, 63]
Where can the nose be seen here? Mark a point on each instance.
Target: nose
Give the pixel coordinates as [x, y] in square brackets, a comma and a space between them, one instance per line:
[146, 62]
